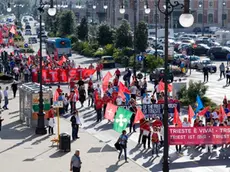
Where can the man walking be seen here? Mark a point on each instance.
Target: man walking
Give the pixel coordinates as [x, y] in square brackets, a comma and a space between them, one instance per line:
[5, 94]
[205, 71]
[14, 88]
[75, 163]
[222, 70]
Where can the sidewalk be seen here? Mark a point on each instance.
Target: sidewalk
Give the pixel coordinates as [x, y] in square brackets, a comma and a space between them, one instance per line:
[22, 150]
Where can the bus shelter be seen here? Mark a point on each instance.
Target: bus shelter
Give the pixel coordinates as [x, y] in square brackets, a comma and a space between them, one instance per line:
[29, 103]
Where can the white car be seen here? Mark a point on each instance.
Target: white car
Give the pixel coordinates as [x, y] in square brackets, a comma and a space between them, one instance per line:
[206, 62]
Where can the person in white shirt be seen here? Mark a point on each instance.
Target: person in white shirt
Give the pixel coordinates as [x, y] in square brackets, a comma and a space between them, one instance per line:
[185, 123]
[119, 101]
[133, 91]
[147, 99]
[5, 94]
[75, 122]
[98, 89]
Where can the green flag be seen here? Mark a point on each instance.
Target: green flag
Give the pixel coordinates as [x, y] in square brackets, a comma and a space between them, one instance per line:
[121, 119]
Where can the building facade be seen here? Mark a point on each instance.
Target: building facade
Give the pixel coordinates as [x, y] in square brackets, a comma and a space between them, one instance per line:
[205, 12]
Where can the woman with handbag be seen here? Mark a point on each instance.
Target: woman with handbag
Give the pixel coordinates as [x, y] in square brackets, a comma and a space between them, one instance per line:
[123, 139]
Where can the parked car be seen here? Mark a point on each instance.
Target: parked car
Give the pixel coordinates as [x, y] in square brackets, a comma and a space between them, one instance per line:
[108, 61]
[200, 49]
[218, 53]
[28, 27]
[159, 73]
[206, 62]
[32, 40]
[159, 52]
[28, 32]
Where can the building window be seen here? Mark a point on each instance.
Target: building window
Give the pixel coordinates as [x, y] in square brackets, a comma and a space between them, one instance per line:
[210, 18]
[126, 17]
[210, 3]
[146, 18]
[200, 18]
[156, 18]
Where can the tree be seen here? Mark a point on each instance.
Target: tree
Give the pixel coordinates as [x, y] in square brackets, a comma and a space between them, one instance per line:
[66, 23]
[124, 35]
[83, 29]
[104, 35]
[153, 62]
[141, 34]
[187, 95]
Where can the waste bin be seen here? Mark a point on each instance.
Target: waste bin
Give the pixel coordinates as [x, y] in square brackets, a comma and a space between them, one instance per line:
[65, 143]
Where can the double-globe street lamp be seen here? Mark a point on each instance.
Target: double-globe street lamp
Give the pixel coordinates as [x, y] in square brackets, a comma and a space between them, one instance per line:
[40, 129]
[186, 20]
[201, 5]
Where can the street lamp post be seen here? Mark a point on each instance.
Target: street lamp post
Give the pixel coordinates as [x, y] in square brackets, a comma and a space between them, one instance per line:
[40, 129]
[201, 4]
[105, 8]
[94, 11]
[223, 14]
[186, 20]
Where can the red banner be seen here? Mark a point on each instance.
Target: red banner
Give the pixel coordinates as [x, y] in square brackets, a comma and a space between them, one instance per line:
[62, 75]
[199, 135]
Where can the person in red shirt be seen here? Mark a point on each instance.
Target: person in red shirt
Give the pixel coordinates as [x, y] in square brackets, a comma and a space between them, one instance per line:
[157, 122]
[115, 81]
[142, 122]
[114, 96]
[90, 83]
[155, 141]
[99, 105]
[118, 73]
[98, 69]
[51, 112]
[146, 134]
[71, 84]
[91, 66]
[106, 99]
[59, 90]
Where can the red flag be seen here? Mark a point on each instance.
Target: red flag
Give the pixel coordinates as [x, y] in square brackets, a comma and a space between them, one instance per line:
[76, 92]
[139, 115]
[191, 114]
[123, 88]
[12, 30]
[29, 62]
[105, 81]
[203, 112]
[121, 94]
[161, 86]
[86, 73]
[63, 60]
[176, 118]
[56, 95]
[222, 114]
[110, 111]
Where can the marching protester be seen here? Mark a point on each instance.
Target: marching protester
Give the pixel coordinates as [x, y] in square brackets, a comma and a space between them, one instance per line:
[133, 109]
[14, 87]
[146, 134]
[6, 99]
[99, 105]
[82, 95]
[123, 140]
[155, 141]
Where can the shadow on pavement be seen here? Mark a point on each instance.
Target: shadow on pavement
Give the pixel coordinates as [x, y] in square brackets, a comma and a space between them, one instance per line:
[13, 112]
[58, 154]
[114, 167]
[15, 130]
[106, 148]
[34, 158]
[89, 61]
[36, 142]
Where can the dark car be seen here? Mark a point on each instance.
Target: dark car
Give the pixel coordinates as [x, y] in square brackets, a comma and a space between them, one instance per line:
[28, 27]
[199, 49]
[159, 73]
[32, 40]
[197, 29]
[218, 53]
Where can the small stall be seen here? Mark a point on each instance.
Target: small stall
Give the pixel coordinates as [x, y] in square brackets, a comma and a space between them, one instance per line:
[29, 103]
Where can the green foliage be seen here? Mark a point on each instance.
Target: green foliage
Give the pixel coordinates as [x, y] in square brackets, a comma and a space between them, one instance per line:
[117, 55]
[104, 35]
[66, 23]
[73, 38]
[124, 35]
[153, 62]
[187, 96]
[99, 53]
[26, 50]
[92, 34]
[141, 34]
[108, 50]
[127, 51]
[83, 29]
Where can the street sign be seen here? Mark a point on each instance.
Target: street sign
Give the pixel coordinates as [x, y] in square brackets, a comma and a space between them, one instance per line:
[140, 58]
[26, 45]
[58, 104]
